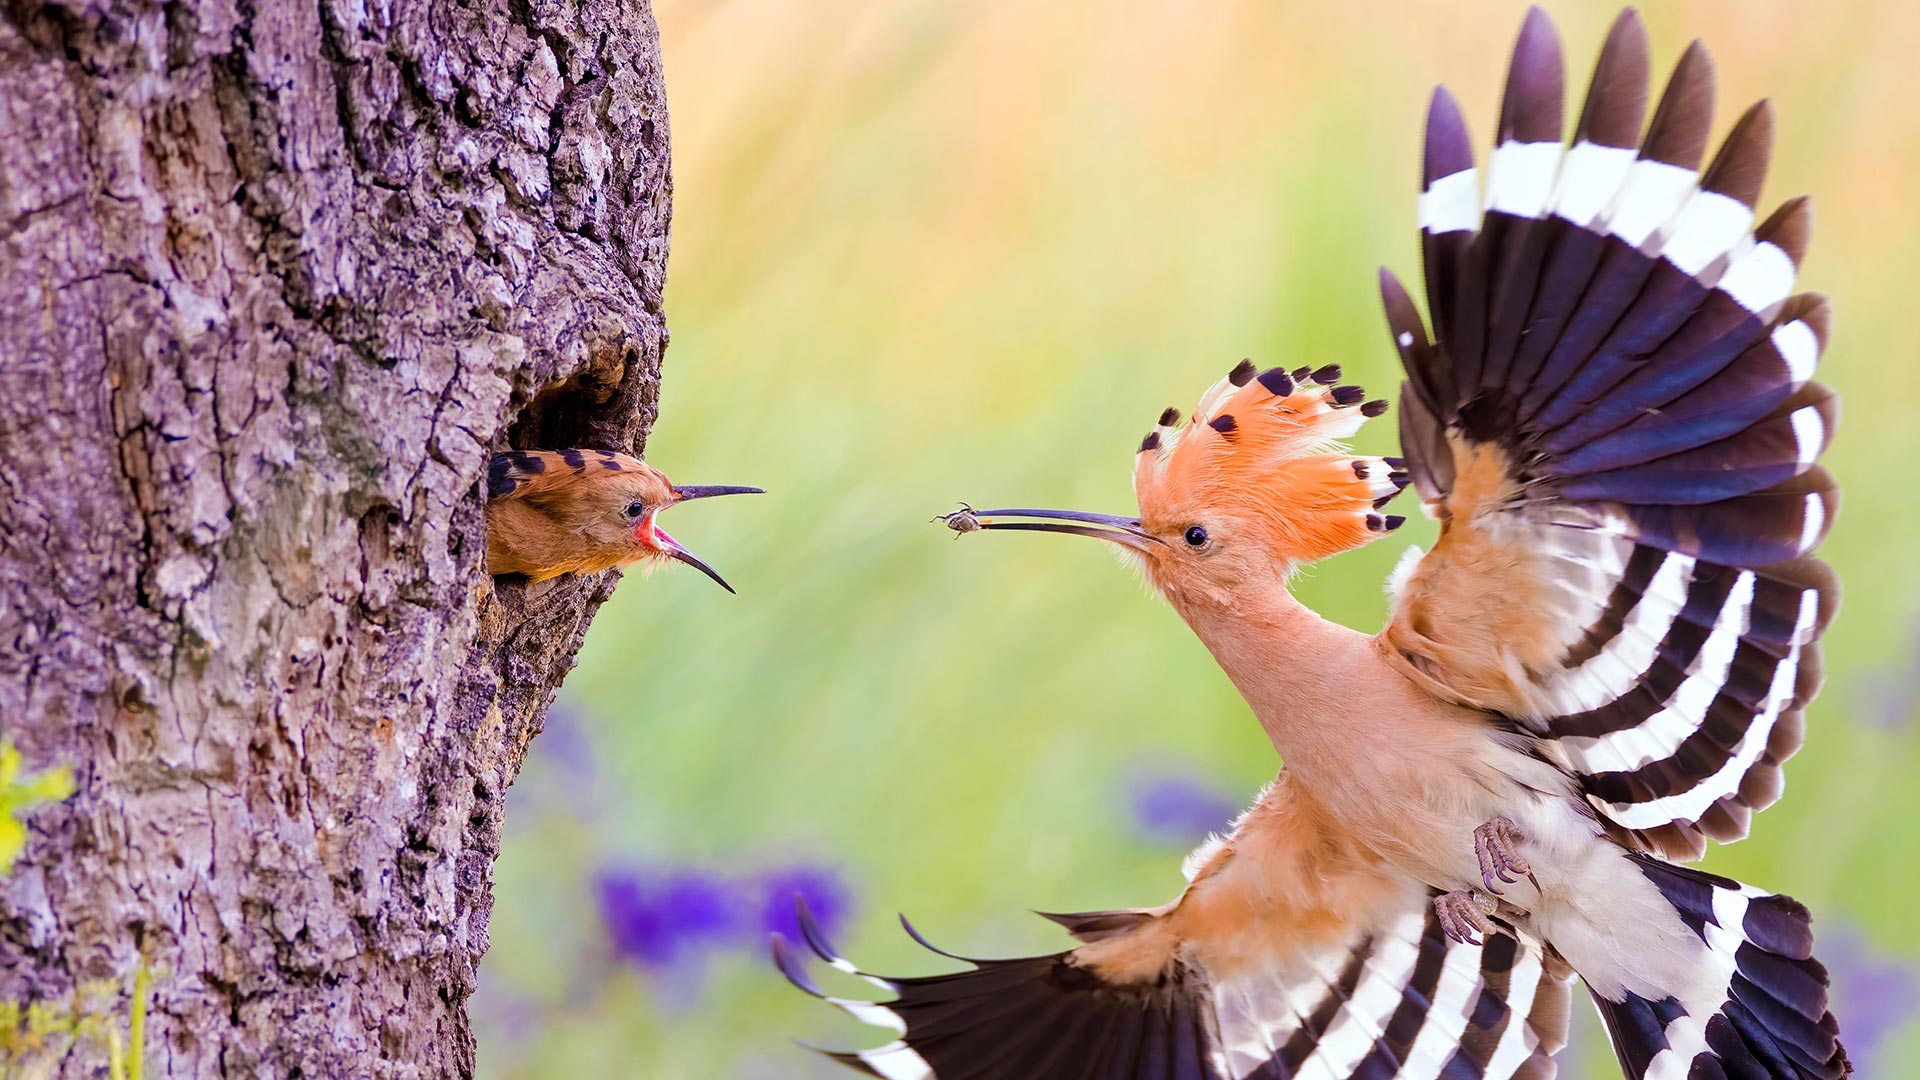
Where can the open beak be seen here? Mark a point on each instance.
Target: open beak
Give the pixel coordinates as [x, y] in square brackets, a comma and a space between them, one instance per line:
[1124, 531]
[672, 548]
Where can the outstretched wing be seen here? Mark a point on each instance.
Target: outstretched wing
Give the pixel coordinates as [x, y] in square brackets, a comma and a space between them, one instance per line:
[1615, 423]
[1285, 958]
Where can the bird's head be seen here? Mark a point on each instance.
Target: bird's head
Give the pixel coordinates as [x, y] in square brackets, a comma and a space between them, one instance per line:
[585, 510]
[1254, 484]
[623, 516]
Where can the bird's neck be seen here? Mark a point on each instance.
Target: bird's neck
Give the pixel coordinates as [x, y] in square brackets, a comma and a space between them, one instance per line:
[1296, 670]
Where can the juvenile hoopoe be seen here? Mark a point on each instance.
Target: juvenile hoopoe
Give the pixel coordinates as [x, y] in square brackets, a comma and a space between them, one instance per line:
[553, 512]
[1602, 663]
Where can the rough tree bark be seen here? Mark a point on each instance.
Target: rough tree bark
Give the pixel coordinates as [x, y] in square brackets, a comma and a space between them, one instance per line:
[276, 276]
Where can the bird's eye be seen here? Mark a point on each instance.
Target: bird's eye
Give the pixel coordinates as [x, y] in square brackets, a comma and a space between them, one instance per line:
[1196, 536]
[635, 510]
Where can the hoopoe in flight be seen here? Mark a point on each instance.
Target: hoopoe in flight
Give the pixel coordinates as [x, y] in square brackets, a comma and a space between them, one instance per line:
[553, 512]
[1602, 663]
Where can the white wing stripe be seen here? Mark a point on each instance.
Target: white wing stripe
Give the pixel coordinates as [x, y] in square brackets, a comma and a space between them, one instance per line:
[1459, 987]
[1686, 1038]
[1361, 1021]
[1798, 348]
[1760, 279]
[1708, 227]
[897, 1061]
[869, 1013]
[1660, 735]
[1693, 803]
[1520, 177]
[1653, 193]
[1589, 180]
[1809, 434]
[1451, 203]
[1814, 517]
[1617, 667]
[1517, 1041]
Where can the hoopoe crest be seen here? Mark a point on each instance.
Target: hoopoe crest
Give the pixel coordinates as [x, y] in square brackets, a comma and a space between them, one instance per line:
[1262, 459]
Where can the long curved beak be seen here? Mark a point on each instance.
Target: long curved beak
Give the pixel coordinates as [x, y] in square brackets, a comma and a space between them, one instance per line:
[1124, 531]
[673, 549]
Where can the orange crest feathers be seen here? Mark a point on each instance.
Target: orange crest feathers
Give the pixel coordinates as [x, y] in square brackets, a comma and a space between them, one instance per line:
[1265, 450]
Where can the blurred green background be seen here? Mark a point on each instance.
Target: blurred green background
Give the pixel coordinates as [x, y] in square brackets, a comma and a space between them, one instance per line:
[927, 250]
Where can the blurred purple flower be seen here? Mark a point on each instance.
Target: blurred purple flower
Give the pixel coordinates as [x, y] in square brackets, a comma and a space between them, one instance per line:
[663, 921]
[1875, 994]
[658, 922]
[1170, 808]
[825, 894]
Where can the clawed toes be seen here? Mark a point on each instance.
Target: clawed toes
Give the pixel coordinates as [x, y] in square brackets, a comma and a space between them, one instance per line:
[1497, 844]
[1463, 916]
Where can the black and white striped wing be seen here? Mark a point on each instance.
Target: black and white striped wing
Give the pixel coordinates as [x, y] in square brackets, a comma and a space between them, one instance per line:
[1616, 339]
[1403, 1003]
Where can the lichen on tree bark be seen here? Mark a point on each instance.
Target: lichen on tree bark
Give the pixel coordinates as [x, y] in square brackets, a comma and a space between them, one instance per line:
[275, 279]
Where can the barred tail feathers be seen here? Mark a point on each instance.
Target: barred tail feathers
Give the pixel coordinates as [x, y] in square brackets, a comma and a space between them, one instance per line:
[1767, 1018]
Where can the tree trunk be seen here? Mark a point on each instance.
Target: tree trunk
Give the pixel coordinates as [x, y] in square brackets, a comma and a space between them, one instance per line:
[275, 280]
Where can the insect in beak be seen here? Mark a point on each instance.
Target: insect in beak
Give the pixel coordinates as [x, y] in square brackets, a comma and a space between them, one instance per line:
[1124, 531]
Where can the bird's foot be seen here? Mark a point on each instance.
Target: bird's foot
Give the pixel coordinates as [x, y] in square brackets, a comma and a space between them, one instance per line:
[1463, 914]
[1497, 843]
